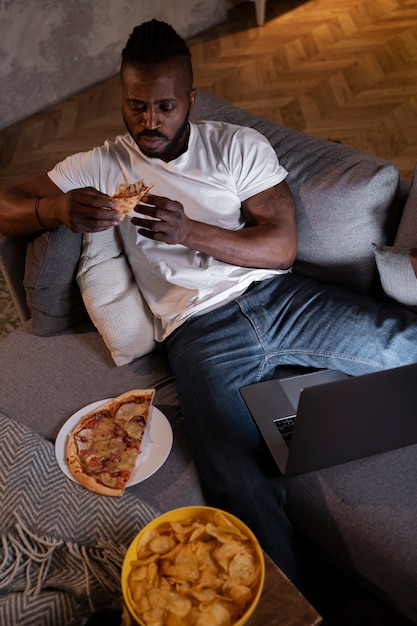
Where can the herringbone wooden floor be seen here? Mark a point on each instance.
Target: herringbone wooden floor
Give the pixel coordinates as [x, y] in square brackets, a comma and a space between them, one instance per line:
[345, 71]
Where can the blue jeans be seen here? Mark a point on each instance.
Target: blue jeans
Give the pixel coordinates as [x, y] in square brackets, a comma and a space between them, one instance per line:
[289, 319]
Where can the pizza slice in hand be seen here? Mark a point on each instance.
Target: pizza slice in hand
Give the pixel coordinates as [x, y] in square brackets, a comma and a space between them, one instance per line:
[103, 448]
[129, 195]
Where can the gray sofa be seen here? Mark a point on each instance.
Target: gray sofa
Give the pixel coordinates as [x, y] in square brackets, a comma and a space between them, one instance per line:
[354, 215]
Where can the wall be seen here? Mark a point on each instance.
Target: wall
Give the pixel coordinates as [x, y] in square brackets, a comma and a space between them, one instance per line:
[50, 49]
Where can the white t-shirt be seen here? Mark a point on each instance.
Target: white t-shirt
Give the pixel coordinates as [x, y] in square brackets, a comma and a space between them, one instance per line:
[223, 166]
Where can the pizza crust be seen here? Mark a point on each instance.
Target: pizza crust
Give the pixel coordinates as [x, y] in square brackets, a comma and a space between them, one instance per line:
[129, 195]
[84, 479]
[125, 415]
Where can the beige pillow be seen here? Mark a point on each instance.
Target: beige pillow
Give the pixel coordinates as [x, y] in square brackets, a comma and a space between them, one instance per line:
[113, 299]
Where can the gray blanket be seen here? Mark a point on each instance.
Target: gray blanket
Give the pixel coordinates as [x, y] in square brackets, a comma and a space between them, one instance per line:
[62, 546]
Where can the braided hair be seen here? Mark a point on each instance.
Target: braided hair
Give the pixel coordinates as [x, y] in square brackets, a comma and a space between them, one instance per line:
[156, 42]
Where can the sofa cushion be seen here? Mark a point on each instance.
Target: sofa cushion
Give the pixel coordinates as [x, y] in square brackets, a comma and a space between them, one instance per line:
[113, 299]
[406, 237]
[397, 275]
[397, 264]
[12, 266]
[345, 199]
[52, 295]
[362, 514]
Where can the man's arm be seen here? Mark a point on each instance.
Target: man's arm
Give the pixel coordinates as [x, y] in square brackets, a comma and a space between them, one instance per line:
[269, 240]
[38, 204]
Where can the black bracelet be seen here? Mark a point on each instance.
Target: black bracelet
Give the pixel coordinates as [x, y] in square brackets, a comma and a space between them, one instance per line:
[37, 201]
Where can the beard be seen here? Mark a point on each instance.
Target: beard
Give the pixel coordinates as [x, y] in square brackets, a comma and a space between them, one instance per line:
[171, 150]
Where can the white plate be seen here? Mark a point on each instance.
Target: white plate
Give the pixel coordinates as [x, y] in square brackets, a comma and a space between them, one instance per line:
[156, 443]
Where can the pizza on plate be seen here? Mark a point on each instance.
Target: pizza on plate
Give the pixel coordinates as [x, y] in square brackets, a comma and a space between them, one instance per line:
[129, 195]
[103, 448]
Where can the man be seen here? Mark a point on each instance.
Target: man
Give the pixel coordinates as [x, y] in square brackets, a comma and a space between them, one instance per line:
[212, 251]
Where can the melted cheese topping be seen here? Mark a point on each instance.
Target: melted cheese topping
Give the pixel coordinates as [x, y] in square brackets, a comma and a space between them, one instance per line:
[108, 447]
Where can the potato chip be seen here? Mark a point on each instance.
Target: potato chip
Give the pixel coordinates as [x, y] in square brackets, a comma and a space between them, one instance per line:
[240, 594]
[179, 604]
[154, 617]
[224, 553]
[183, 572]
[243, 567]
[162, 544]
[144, 540]
[209, 579]
[214, 614]
[204, 594]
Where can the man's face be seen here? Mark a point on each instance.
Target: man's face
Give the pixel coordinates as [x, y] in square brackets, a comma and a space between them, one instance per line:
[156, 105]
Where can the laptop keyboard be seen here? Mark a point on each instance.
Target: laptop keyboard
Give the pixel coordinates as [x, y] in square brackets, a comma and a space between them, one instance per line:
[286, 428]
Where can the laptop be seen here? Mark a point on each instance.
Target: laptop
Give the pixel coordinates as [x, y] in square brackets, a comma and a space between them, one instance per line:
[326, 418]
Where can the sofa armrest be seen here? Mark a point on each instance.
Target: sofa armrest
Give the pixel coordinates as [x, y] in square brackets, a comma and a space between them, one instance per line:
[12, 264]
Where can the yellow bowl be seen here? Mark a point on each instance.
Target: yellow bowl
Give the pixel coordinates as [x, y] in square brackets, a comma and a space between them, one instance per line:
[185, 514]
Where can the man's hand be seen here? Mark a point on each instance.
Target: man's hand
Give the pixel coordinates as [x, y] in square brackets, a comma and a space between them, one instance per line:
[162, 220]
[268, 240]
[37, 204]
[84, 210]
